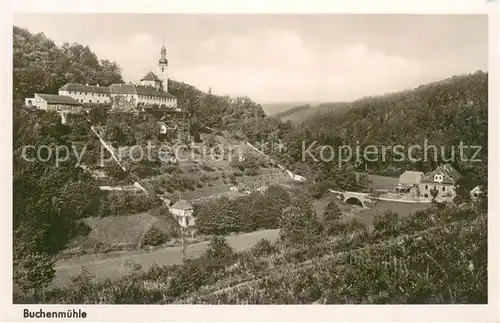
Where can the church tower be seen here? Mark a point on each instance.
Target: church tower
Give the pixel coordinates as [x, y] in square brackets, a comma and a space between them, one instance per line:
[163, 68]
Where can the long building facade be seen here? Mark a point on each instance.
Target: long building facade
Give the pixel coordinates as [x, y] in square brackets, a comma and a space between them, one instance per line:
[151, 91]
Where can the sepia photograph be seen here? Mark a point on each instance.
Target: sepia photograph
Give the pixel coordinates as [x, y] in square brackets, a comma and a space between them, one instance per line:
[244, 159]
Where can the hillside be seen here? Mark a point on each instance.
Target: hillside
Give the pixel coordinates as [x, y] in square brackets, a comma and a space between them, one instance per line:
[301, 113]
[273, 109]
[427, 258]
[442, 113]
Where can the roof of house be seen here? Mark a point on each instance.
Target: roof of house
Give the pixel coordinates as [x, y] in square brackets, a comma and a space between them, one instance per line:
[139, 90]
[410, 177]
[450, 174]
[84, 88]
[381, 182]
[150, 77]
[182, 205]
[58, 99]
[126, 230]
[122, 88]
[152, 91]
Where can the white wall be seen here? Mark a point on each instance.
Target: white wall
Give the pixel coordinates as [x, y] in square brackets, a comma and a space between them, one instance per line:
[442, 194]
[87, 97]
[184, 216]
[169, 102]
[37, 102]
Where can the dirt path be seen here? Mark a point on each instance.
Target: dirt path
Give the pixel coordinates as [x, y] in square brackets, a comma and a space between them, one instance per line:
[116, 267]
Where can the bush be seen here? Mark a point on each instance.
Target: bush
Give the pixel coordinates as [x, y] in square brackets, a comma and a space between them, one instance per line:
[263, 248]
[204, 178]
[299, 226]
[218, 250]
[250, 172]
[155, 237]
[332, 212]
[124, 203]
[318, 190]
[33, 273]
[386, 224]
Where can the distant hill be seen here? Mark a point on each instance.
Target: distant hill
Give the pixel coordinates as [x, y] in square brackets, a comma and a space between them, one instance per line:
[303, 112]
[272, 109]
[443, 113]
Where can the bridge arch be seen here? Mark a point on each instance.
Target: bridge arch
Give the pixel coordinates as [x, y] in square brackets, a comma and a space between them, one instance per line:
[354, 200]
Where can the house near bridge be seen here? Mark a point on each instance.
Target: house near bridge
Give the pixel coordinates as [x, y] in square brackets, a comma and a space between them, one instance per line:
[443, 179]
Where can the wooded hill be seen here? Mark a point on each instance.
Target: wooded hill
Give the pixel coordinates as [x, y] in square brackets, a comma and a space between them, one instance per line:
[444, 113]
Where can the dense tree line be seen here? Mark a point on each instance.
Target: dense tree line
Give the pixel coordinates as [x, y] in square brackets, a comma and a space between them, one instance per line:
[42, 66]
[444, 113]
[242, 214]
[239, 115]
[49, 198]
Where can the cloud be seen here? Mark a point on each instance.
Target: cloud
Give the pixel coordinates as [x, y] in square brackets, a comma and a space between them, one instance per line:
[278, 65]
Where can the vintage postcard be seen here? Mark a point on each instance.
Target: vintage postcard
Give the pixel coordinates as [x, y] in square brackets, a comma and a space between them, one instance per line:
[237, 156]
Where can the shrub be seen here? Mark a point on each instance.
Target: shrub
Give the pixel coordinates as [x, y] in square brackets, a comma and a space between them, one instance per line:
[155, 237]
[318, 190]
[232, 179]
[332, 212]
[218, 250]
[204, 178]
[298, 226]
[33, 273]
[263, 248]
[387, 223]
[250, 172]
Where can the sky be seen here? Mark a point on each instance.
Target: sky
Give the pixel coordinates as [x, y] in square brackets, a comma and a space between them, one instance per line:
[281, 58]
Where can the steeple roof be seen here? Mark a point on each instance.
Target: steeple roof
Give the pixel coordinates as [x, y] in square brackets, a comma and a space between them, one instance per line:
[150, 77]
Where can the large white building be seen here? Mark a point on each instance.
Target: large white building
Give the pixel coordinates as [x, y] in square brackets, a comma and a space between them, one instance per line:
[86, 93]
[151, 90]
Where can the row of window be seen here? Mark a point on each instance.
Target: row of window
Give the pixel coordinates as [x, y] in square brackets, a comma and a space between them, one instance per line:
[90, 101]
[149, 97]
[427, 187]
[85, 93]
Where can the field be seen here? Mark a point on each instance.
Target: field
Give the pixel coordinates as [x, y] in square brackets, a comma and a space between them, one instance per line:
[118, 264]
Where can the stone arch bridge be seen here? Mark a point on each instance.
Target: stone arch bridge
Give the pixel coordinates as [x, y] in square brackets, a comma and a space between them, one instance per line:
[357, 198]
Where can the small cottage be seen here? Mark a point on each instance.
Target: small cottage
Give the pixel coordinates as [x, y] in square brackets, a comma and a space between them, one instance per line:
[443, 180]
[183, 211]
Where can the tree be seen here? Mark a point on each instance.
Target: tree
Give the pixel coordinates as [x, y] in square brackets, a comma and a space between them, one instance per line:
[218, 250]
[434, 193]
[375, 197]
[332, 212]
[33, 273]
[39, 65]
[298, 226]
[49, 199]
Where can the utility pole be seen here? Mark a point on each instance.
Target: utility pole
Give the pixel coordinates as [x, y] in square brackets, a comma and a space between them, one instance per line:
[184, 113]
[183, 235]
[183, 239]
